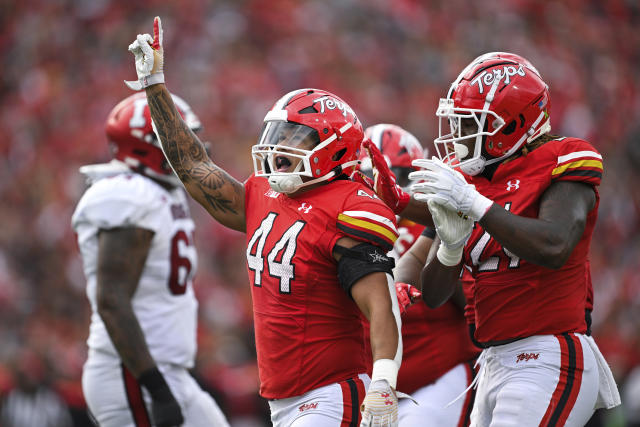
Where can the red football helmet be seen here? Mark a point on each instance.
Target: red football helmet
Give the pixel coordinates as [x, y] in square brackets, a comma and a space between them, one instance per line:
[308, 115]
[498, 103]
[130, 131]
[399, 148]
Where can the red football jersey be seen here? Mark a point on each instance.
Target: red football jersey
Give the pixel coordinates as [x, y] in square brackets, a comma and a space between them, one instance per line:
[408, 233]
[307, 328]
[467, 287]
[434, 340]
[514, 298]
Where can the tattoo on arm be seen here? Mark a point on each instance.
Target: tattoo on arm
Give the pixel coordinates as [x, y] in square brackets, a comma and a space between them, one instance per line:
[213, 187]
[182, 148]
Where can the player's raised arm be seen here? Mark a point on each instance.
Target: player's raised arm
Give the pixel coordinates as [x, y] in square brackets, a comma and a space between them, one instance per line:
[217, 191]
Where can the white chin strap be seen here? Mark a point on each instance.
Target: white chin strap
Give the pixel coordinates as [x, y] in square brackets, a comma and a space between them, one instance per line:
[471, 167]
[286, 184]
[474, 167]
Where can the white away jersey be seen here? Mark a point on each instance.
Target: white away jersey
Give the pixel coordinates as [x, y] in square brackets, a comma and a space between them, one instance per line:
[164, 302]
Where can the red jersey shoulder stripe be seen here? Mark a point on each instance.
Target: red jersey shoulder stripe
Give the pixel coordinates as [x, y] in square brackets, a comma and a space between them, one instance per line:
[583, 166]
[363, 225]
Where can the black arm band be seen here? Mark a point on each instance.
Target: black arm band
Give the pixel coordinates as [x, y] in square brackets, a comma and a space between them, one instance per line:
[359, 261]
[429, 232]
[155, 383]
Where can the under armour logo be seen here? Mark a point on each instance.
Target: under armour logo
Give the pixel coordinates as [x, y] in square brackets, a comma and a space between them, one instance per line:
[376, 257]
[305, 207]
[365, 194]
[513, 184]
[272, 194]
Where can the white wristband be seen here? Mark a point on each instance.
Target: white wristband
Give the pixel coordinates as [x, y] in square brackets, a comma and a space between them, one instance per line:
[479, 207]
[448, 256]
[385, 369]
[146, 81]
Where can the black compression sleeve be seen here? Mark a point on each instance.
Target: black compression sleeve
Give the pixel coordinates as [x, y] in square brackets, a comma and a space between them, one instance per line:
[359, 261]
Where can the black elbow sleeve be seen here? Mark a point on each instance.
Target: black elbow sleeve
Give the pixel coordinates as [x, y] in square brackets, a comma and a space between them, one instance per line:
[359, 261]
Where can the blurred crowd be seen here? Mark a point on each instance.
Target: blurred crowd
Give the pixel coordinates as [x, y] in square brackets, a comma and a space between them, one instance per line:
[62, 63]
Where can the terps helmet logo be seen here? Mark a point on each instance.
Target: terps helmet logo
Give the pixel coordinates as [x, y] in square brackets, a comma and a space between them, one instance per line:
[488, 78]
[328, 103]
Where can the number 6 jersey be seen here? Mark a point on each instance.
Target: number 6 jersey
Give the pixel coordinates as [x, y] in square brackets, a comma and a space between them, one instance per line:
[515, 298]
[308, 329]
[163, 303]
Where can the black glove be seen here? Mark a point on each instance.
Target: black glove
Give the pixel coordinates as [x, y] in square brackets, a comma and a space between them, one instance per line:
[165, 411]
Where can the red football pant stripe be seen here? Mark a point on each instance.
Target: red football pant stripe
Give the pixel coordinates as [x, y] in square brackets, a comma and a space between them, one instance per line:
[134, 397]
[566, 392]
[352, 397]
[467, 406]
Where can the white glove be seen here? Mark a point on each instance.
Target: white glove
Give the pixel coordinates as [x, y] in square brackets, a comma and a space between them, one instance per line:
[380, 406]
[453, 230]
[449, 187]
[148, 53]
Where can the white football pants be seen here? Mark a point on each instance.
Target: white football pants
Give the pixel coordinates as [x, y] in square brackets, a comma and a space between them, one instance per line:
[333, 405]
[115, 398]
[546, 380]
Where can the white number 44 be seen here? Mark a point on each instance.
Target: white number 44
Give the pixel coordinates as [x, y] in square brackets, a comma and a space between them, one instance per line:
[284, 269]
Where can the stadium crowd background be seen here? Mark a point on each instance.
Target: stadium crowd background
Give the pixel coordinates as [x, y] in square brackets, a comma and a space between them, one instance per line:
[62, 66]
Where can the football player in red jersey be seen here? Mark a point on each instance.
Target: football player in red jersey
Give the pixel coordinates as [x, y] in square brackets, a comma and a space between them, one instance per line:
[316, 250]
[135, 235]
[438, 356]
[534, 199]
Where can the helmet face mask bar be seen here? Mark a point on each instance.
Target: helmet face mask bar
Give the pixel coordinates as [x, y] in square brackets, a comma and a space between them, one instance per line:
[314, 128]
[497, 104]
[281, 145]
[453, 126]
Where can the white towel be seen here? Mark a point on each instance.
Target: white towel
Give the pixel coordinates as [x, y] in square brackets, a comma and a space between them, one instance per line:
[608, 395]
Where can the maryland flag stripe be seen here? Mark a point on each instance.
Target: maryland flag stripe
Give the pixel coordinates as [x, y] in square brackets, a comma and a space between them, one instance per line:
[579, 166]
[368, 226]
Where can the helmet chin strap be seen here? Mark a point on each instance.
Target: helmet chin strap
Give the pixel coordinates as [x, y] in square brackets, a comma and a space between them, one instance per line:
[285, 184]
[471, 167]
[474, 166]
[290, 183]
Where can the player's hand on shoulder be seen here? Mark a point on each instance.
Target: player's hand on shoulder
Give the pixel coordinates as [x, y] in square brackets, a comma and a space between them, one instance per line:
[407, 296]
[380, 406]
[149, 58]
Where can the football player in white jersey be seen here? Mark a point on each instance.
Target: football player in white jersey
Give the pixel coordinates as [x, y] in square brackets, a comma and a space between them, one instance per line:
[135, 235]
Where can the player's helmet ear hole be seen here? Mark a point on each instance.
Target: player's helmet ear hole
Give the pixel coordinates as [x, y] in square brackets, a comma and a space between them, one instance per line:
[522, 120]
[510, 128]
[339, 155]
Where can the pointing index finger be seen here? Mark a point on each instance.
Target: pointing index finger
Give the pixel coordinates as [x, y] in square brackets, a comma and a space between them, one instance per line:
[157, 33]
